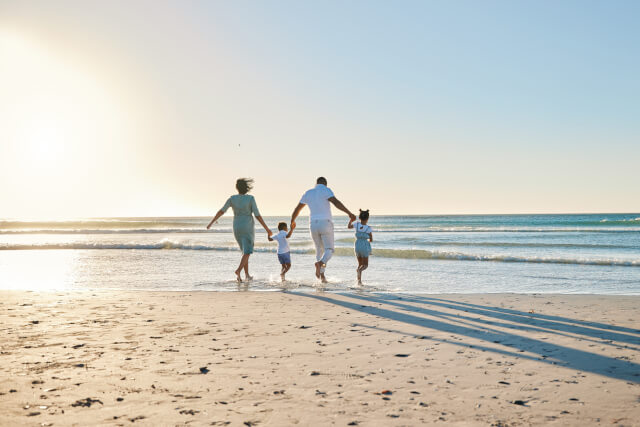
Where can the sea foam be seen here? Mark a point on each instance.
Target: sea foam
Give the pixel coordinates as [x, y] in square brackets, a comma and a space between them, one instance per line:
[414, 254]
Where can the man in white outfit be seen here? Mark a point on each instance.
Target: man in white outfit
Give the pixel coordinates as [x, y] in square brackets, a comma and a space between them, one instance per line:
[320, 221]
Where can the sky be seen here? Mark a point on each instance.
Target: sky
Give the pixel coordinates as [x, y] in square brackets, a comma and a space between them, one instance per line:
[154, 108]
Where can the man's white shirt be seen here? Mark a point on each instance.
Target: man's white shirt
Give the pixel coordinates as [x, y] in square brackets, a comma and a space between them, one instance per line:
[318, 201]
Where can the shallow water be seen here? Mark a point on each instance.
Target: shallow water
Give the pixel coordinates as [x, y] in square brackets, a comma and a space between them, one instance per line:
[597, 253]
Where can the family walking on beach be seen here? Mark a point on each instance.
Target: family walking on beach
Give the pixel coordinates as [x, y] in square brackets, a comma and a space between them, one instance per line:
[319, 200]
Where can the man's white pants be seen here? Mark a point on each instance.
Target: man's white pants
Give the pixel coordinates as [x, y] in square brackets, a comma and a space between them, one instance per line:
[322, 235]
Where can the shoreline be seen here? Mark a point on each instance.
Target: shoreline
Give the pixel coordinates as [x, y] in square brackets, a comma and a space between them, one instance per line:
[307, 289]
[284, 358]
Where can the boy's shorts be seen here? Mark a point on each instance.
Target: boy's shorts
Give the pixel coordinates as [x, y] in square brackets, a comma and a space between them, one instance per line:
[285, 258]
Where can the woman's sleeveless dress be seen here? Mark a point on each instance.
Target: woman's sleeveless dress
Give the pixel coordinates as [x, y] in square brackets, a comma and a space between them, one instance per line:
[244, 208]
[362, 247]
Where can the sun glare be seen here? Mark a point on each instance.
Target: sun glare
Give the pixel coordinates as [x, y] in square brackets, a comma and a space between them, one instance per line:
[55, 270]
[57, 116]
[42, 146]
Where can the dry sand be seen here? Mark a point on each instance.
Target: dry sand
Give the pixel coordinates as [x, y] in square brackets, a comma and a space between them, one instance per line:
[272, 358]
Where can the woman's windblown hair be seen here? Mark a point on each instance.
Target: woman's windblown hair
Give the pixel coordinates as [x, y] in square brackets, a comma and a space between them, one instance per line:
[244, 185]
[364, 215]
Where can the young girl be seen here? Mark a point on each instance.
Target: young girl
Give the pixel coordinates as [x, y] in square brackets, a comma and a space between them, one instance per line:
[364, 236]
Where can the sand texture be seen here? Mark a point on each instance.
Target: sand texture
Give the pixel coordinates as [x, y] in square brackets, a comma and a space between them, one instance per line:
[277, 359]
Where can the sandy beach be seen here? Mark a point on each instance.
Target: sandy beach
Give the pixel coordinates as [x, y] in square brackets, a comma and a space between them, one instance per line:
[275, 358]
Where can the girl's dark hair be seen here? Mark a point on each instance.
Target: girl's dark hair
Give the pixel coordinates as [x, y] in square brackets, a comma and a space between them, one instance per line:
[244, 185]
[364, 215]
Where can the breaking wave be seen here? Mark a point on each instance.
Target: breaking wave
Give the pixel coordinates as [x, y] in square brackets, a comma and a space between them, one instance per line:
[114, 231]
[160, 230]
[418, 241]
[437, 255]
[631, 221]
[416, 254]
[107, 223]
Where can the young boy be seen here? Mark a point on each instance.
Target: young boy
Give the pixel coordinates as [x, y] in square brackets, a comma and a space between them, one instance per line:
[284, 254]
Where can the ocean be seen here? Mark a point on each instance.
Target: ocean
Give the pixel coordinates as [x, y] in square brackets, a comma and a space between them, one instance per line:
[587, 254]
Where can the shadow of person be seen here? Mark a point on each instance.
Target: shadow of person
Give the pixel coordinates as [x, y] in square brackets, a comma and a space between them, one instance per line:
[513, 319]
[537, 316]
[428, 314]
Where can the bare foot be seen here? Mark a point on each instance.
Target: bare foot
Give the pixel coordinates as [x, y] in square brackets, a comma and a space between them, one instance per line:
[323, 279]
[319, 266]
[249, 278]
[360, 282]
[238, 278]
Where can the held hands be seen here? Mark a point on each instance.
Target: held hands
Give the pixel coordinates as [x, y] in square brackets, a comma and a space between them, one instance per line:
[352, 217]
[293, 225]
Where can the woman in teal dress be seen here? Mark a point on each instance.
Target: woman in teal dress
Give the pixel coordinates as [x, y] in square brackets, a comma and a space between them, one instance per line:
[244, 208]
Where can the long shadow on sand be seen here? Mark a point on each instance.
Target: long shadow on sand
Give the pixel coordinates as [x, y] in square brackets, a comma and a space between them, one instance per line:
[532, 322]
[458, 321]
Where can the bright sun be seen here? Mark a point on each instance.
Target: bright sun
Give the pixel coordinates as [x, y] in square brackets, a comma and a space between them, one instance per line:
[55, 118]
[42, 146]
[39, 90]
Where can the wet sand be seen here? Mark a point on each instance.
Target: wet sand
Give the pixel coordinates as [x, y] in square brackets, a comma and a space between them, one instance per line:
[274, 358]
